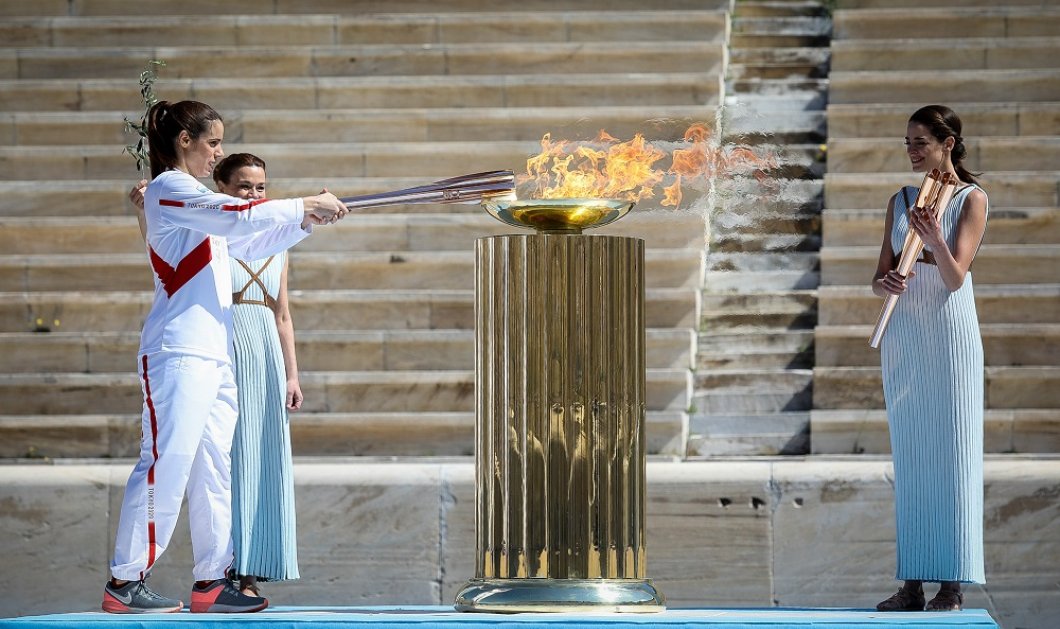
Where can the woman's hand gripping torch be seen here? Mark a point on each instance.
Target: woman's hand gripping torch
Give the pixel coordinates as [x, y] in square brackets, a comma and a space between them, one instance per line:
[935, 194]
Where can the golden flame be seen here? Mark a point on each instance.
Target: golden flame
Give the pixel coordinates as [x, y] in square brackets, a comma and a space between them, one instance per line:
[608, 168]
[603, 168]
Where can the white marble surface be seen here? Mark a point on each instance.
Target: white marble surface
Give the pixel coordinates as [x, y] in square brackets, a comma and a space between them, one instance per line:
[757, 532]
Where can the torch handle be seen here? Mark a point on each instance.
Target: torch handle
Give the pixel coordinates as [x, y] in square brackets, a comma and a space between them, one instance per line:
[881, 323]
[910, 253]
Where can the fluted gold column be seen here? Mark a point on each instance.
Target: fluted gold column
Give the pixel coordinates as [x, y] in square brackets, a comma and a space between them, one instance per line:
[560, 467]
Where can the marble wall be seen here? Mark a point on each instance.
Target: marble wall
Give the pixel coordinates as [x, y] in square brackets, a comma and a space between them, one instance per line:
[791, 532]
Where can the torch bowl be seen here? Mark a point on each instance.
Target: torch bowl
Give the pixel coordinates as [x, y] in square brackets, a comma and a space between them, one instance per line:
[557, 216]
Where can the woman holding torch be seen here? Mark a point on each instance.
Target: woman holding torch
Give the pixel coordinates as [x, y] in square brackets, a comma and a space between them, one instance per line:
[932, 357]
[189, 411]
[266, 372]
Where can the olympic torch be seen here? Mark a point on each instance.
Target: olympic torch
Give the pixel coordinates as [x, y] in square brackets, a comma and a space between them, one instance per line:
[464, 189]
[935, 194]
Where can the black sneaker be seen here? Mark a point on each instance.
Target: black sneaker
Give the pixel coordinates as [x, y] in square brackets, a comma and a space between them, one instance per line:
[136, 598]
[222, 597]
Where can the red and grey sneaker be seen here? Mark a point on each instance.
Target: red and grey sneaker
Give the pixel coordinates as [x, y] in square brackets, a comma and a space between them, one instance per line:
[136, 598]
[222, 597]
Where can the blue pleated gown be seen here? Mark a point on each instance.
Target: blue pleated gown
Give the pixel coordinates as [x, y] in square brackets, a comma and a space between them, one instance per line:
[263, 507]
[932, 356]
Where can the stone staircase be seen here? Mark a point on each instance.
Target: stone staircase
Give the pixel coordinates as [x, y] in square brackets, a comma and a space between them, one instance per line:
[754, 371]
[360, 97]
[999, 68]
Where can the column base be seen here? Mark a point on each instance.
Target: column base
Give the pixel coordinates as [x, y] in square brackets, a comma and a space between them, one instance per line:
[560, 595]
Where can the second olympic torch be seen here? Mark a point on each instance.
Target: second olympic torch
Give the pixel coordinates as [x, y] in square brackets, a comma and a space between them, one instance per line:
[935, 194]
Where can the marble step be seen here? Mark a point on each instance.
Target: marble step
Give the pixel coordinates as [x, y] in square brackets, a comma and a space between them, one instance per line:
[946, 22]
[751, 282]
[779, 63]
[976, 86]
[766, 261]
[1012, 189]
[773, 126]
[124, 311]
[375, 125]
[770, 242]
[802, 90]
[791, 31]
[1005, 226]
[325, 391]
[339, 7]
[389, 434]
[780, 8]
[842, 388]
[752, 391]
[798, 25]
[957, 4]
[21, 235]
[265, 61]
[795, 161]
[756, 272]
[483, 25]
[735, 312]
[761, 527]
[985, 53]
[990, 154]
[311, 93]
[778, 103]
[869, 120]
[331, 350]
[664, 268]
[317, 350]
[746, 202]
[993, 264]
[1004, 345]
[1005, 431]
[762, 434]
[763, 349]
[994, 303]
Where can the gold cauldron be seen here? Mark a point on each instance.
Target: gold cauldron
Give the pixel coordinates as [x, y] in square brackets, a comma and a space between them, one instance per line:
[560, 385]
[557, 216]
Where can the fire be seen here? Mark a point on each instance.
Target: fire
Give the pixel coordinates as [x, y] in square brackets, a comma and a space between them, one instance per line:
[692, 162]
[608, 168]
[603, 168]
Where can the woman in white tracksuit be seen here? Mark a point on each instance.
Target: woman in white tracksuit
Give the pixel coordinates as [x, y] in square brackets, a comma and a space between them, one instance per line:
[189, 412]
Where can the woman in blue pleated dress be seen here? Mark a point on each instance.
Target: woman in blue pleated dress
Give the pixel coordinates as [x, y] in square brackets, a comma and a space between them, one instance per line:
[263, 507]
[932, 357]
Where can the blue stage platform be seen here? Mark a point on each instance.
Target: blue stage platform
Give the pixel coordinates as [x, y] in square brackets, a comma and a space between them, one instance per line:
[430, 617]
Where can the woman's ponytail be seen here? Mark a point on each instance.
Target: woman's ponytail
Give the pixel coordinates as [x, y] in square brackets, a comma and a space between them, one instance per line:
[957, 155]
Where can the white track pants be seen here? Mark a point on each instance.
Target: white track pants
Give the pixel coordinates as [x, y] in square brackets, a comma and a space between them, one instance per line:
[188, 421]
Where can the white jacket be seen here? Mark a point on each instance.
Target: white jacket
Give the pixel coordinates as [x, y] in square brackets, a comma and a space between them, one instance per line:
[191, 231]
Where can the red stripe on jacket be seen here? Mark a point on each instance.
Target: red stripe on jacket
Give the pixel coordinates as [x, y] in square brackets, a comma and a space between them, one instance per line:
[174, 278]
[151, 539]
[237, 207]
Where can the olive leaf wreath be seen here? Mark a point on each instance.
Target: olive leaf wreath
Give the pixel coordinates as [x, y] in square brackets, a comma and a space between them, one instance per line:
[147, 93]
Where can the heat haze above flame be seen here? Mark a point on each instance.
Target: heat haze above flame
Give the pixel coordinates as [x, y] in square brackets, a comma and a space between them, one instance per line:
[609, 168]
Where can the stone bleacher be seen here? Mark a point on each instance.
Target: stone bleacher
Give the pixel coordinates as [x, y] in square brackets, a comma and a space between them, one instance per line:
[997, 67]
[369, 95]
[358, 97]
